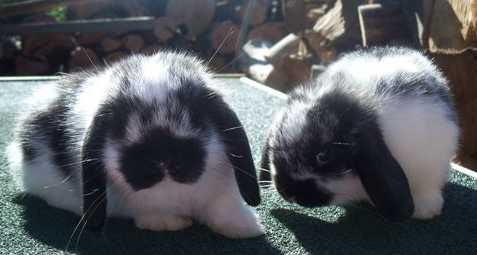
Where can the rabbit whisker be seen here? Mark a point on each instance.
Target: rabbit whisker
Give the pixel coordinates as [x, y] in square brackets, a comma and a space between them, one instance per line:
[83, 219]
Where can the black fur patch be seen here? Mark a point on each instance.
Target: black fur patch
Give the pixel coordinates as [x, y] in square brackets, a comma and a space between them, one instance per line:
[161, 153]
[94, 172]
[381, 174]
[120, 109]
[303, 192]
[26, 142]
[50, 125]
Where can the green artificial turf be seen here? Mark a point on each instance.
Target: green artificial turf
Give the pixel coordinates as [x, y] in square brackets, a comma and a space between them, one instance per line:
[29, 226]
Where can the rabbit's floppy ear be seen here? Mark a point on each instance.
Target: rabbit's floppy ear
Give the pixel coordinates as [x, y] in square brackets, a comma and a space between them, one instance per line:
[94, 175]
[381, 175]
[237, 148]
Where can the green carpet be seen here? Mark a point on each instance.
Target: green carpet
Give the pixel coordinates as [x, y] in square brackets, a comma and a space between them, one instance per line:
[29, 226]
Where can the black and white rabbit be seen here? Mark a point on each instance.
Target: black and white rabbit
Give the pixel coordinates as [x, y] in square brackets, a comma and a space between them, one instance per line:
[378, 125]
[147, 138]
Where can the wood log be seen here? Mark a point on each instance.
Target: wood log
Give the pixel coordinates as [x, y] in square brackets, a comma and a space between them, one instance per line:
[224, 37]
[56, 51]
[148, 37]
[165, 29]
[31, 43]
[196, 15]
[269, 75]
[133, 42]
[270, 31]
[460, 67]
[44, 46]
[339, 27]
[322, 49]
[452, 24]
[110, 44]
[313, 13]
[87, 39]
[254, 51]
[82, 59]
[297, 68]
[30, 66]
[253, 62]
[283, 49]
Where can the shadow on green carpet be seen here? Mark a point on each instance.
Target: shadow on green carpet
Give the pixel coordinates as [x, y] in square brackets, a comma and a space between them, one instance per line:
[55, 227]
[372, 234]
[369, 234]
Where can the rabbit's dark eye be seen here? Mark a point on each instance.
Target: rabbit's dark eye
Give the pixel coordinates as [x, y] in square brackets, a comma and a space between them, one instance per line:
[322, 157]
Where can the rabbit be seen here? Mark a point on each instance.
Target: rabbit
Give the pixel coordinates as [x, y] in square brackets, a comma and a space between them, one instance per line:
[378, 125]
[147, 138]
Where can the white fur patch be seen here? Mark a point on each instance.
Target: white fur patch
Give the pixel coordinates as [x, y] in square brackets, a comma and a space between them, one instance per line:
[423, 140]
[180, 127]
[347, 188]
[155, 82]
[42, 178]
[134, 128]
[94, 92]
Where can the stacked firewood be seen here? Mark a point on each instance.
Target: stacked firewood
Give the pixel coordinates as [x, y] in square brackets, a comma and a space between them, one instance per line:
[216, 30]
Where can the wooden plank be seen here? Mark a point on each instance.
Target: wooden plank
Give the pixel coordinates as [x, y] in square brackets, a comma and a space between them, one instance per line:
[36, 6]
[460, 67]
[451, 24]
[82, 26]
